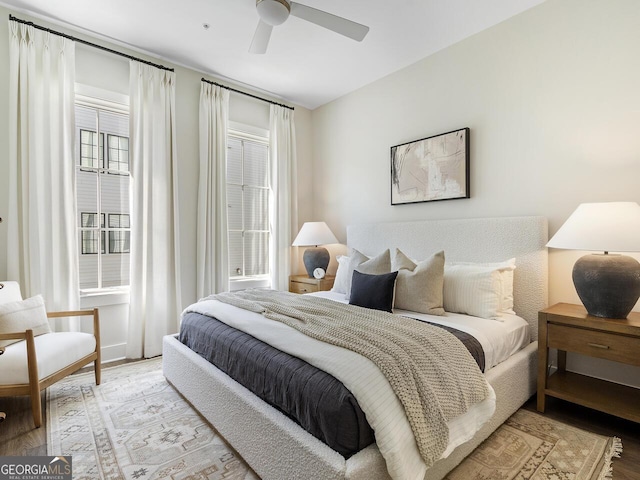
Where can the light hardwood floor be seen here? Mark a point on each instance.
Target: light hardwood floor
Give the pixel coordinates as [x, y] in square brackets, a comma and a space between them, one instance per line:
[19, 437]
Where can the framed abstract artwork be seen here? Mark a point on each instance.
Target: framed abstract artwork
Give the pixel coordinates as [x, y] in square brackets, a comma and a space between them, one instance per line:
[431, 169]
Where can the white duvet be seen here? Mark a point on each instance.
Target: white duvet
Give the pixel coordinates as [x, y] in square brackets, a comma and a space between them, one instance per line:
[362, 377]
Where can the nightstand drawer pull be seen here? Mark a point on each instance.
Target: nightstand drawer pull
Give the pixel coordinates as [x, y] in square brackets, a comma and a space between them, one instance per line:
[598, 345]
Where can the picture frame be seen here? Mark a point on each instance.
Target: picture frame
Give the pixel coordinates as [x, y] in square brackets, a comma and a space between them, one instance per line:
[431, 169]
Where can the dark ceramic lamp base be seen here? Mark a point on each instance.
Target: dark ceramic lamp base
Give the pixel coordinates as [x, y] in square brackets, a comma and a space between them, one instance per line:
[315, 257]
[608, 285]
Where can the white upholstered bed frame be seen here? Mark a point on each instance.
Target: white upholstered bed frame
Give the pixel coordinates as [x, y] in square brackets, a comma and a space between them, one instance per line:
[277, 448]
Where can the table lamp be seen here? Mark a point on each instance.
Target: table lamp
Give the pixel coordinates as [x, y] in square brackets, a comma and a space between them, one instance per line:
[608, 284]
[313, 234]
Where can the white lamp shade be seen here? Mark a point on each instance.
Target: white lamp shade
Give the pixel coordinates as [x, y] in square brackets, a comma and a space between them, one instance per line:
[314, 233]
[602, 227]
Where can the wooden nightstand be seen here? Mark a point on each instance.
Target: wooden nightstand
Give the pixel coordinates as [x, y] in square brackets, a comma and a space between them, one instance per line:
[304, 284]
[570, 329]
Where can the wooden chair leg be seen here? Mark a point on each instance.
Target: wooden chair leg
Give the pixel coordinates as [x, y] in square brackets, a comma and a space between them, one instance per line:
[36, 408]
[96, 333]
[34, 380]
[2, 414]
[98, 373]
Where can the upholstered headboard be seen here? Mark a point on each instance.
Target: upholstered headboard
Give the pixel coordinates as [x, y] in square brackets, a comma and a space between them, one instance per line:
[472, 240]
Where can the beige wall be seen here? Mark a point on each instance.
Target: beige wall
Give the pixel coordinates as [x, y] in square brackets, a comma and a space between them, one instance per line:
[552, 98]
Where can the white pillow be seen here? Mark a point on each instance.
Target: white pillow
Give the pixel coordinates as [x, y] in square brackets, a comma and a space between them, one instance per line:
[9, 292]
[506, 269]
[377, 265]
[480, 290]
[23, 315]
[340, 283]
[419, 286]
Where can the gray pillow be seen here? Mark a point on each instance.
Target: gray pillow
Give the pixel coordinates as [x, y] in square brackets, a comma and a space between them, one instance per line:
[419, 286]
[374, 266]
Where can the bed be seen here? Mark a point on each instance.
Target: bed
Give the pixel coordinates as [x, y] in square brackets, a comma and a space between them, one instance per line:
[278, 448]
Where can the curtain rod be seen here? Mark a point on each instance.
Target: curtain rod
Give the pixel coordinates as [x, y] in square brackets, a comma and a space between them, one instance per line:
[247, 94]
[99, 47]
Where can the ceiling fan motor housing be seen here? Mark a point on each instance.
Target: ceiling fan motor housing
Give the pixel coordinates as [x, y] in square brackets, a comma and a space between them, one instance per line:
[273, 12]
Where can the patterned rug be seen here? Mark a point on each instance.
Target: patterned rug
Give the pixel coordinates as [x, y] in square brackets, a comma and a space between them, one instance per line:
[136, 426]
[529, 446]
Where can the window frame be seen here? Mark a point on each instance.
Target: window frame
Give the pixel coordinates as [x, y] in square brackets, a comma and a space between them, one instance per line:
[99, 148]
[99, 99]
[119, 162]
[258, 135]
[98, 227]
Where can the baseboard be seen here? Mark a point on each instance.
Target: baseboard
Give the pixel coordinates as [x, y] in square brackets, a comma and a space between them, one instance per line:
[111, 353]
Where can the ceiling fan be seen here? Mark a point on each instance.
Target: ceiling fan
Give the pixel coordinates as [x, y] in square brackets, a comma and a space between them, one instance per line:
[275, 12]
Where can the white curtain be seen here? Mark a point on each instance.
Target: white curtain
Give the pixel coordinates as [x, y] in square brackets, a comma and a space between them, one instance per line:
[284, 199]
[155, 285]
[212, 252]
[42, 238]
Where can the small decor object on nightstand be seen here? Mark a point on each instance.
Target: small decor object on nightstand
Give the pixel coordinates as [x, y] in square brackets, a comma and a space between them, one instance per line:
[319, 273]
[607, 284]
[313, 234]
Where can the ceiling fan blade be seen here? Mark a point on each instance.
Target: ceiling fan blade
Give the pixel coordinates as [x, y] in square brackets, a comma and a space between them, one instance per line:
[337, 24]
[261, 38]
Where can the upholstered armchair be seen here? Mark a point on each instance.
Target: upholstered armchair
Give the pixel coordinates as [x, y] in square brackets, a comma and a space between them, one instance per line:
[35, 357]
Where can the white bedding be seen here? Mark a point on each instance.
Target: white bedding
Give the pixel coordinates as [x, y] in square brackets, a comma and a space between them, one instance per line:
[499, 339]
[377, 400]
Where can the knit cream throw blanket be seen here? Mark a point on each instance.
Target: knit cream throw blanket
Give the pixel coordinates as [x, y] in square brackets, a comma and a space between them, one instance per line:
[429, 369]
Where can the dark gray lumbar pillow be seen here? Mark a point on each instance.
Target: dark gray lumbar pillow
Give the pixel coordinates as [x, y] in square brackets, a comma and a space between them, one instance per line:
[373, 291]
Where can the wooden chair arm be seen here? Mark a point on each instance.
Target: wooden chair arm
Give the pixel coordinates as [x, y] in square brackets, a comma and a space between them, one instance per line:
[73, 313]
[23, 334]
[13, 336]
[82, 313]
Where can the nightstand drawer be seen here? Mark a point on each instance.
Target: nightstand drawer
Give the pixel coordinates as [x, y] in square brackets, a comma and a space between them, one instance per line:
[618, 348]
[305, 284]
[297, 287]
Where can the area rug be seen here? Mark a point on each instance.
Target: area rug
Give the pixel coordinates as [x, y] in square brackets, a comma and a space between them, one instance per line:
[532, 446]
[136, 426]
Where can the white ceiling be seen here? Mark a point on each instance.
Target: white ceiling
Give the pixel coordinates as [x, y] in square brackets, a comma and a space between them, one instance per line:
[305, 64]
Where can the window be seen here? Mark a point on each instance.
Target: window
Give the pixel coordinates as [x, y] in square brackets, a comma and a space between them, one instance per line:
[248, 206]
[89, 234]
[89, 149]
[118, 153]
[119, 233]
[102, 194]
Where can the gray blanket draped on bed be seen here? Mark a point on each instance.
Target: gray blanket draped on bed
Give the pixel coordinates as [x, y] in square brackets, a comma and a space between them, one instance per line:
[429, 369]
